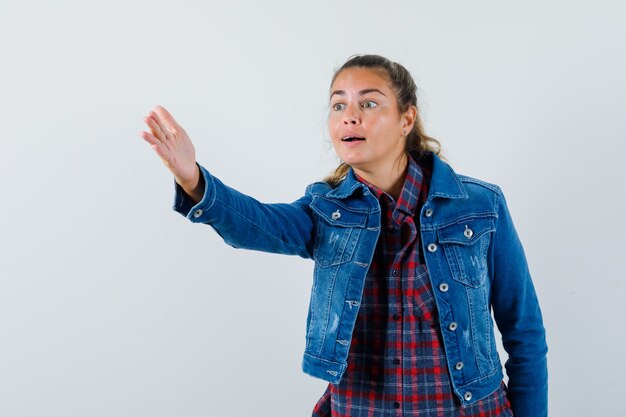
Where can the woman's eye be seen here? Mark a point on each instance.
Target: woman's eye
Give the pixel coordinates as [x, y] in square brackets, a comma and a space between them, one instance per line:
[337, 106]
[369, 104]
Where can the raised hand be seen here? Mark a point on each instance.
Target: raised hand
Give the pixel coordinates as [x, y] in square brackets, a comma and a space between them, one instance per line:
[170, 141]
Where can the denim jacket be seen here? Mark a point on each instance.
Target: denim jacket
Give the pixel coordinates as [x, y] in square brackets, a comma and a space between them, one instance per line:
[473, 254]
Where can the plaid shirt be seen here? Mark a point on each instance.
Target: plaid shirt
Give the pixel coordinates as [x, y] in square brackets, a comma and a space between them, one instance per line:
[396, 364]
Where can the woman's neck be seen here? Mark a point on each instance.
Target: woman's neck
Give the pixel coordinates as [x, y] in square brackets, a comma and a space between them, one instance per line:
[389, 178]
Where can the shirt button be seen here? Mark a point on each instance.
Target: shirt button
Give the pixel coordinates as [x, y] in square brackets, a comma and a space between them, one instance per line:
[394, 272]
[467, 396]
[396, 361]
[197, 213]
[452, 326]
[428, 212]
[336, 215]
[432, 247]
[396, 405]
[396, 317]
[459, 366]
[468, 232]
[443, 287]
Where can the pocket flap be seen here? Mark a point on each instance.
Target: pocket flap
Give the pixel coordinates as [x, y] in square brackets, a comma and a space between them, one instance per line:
[466, 231]
[338, 214]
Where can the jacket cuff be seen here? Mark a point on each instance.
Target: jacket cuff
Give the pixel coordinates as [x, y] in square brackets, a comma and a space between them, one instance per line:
[183, 204]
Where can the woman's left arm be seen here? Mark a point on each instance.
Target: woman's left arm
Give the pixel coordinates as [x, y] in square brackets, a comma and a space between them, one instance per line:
[518, 316]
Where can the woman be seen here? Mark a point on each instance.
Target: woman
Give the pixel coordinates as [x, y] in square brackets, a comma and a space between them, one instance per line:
[410, 259]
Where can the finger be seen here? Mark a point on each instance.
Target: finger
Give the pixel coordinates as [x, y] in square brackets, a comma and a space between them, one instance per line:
[150, 138]
[158, 146]
[163, 153]
[167, 132]
[157, 130]
[167, 118]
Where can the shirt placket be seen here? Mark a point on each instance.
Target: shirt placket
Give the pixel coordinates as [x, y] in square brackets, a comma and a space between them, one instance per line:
[402, 236]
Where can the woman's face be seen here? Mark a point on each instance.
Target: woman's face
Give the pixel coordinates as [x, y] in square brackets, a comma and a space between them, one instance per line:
[364, 122]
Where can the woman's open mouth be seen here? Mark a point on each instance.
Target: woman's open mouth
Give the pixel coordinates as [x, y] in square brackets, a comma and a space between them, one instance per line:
[351, 139]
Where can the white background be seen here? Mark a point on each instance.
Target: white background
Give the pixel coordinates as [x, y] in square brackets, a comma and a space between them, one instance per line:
[112, 304]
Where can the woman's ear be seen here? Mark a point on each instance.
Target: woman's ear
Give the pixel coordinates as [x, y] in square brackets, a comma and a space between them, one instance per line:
[408, 118]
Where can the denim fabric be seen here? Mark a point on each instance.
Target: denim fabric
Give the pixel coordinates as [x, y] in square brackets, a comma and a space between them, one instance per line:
[473, 254]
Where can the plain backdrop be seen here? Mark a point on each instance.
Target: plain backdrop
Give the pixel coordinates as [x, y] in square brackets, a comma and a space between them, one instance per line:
[112, 304]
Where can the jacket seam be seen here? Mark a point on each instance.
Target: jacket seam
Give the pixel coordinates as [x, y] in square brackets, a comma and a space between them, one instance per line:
[485, 184]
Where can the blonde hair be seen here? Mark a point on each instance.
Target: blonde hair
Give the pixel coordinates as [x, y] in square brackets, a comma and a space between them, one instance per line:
[417, 142]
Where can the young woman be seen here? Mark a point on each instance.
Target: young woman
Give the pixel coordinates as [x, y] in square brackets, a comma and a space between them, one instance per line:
[410, 259]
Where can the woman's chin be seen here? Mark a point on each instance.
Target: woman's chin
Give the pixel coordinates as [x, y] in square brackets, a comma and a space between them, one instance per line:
[353, 158]
[356, 163]
[350, 161]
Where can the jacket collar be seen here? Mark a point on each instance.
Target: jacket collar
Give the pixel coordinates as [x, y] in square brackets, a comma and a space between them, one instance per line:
[445, 182]
[347, 187]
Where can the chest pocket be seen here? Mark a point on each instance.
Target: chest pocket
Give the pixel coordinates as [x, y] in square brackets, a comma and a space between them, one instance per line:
[337, 231]
[465, 244]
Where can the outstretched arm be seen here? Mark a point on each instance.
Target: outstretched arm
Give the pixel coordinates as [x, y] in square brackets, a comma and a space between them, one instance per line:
[242, 221]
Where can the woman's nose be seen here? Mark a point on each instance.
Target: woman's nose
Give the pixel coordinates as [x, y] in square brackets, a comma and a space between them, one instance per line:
[351, 116]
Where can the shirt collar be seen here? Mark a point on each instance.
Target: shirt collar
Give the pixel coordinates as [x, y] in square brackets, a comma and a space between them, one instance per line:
[408, 199]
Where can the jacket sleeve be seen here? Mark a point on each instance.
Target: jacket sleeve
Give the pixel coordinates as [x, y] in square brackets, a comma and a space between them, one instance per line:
[244, 222]
[518, 316]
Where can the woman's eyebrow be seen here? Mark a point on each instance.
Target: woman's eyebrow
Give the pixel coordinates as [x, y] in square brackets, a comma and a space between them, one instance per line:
[367, 90]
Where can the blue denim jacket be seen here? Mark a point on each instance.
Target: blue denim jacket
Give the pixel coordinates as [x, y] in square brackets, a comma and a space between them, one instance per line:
[472, 251]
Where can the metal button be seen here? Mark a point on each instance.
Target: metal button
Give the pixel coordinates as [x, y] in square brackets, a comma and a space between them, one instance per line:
[468, 232]
[336, 215]
[467, 396]
[452, 326]
[443, 287]
[432, 247]
[394, 272]
[428, 212]
[459, 366]
[197, 213]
